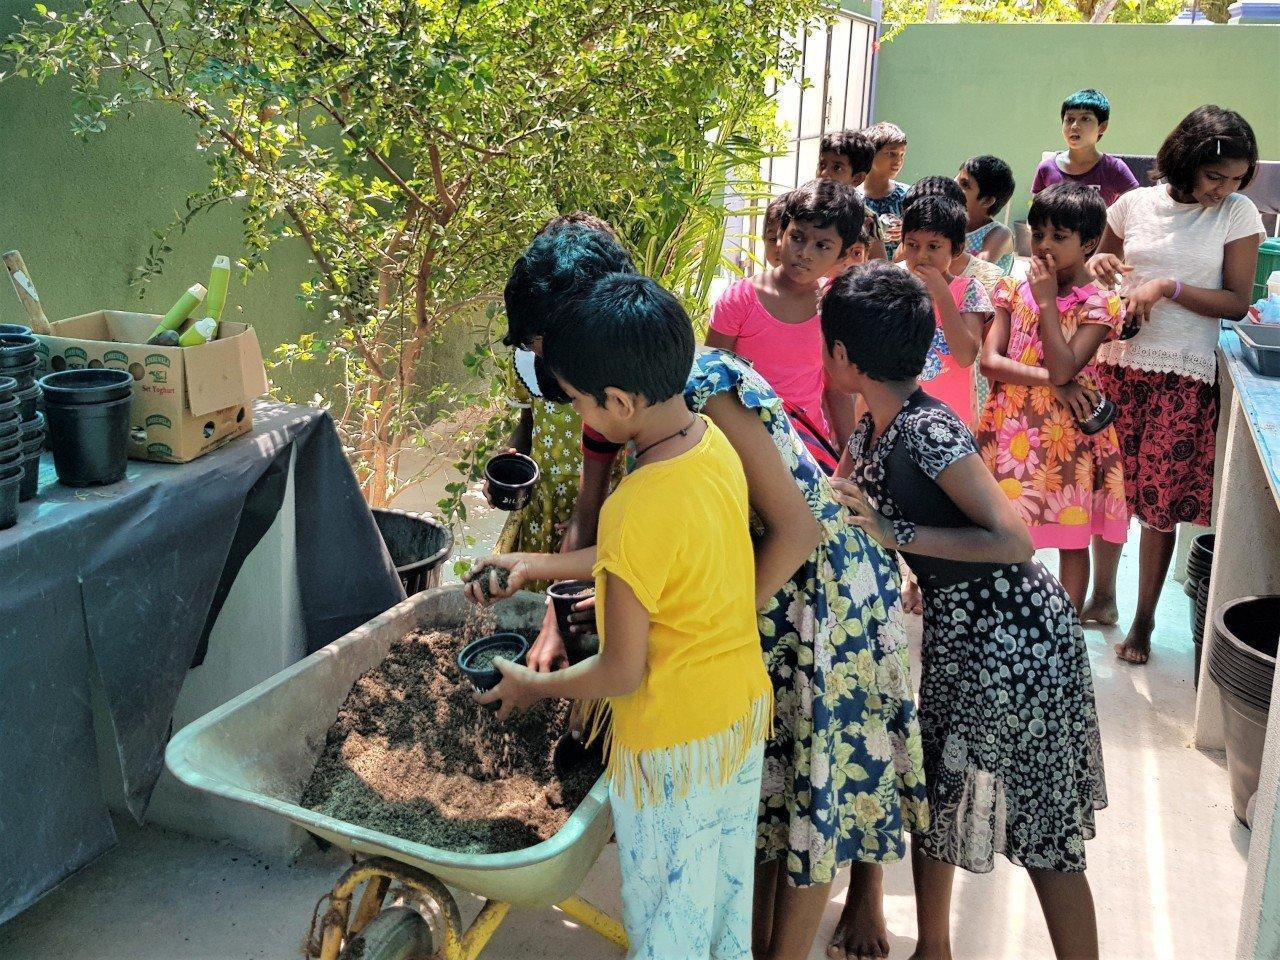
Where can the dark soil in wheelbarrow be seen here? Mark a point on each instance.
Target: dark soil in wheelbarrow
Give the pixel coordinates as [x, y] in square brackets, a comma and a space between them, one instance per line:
[412, 755]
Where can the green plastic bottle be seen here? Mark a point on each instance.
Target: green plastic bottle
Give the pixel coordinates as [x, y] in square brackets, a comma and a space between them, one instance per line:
[202, 331]
[179, 312]
[219, 280]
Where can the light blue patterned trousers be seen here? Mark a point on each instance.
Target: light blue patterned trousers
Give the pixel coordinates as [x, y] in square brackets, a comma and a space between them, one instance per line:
[688, 867]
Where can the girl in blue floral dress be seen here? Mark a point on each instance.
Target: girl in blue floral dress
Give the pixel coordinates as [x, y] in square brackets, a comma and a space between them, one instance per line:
[842, 777]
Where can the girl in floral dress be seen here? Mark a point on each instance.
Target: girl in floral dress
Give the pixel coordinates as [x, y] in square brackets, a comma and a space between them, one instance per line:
[1012, 752]
[1067, 485]
[842, 777]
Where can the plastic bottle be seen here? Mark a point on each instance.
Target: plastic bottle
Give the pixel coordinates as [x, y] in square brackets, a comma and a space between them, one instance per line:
[202, 331]
[179, 312]
[219, 279]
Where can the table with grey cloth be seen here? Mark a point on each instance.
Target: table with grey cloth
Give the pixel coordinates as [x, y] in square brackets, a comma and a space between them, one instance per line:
[126, 580]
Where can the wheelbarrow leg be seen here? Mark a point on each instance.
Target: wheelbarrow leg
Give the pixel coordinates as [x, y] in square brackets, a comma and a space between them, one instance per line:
[595, 919]
[375, 891]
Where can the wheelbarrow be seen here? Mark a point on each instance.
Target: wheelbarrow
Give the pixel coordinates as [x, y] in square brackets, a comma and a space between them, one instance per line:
[261, 748]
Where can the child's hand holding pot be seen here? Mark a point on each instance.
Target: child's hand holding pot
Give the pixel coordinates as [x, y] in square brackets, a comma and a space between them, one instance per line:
[484, 488]
[582, 621]
[1076, 399]
[518, 689]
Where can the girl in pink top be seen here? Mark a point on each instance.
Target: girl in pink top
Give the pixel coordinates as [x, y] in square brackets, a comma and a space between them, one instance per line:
[771, 319]
[933, 231]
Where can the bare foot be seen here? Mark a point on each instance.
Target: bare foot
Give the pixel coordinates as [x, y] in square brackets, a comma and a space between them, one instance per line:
[1101, 610]
[861, 933]
[912, 598]
[1137, 645]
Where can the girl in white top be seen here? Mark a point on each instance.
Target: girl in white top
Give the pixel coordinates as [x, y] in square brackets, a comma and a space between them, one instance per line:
[1186, 250]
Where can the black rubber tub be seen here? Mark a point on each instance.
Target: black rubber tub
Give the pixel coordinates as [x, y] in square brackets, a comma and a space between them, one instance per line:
[1242, 662]
[419, 546]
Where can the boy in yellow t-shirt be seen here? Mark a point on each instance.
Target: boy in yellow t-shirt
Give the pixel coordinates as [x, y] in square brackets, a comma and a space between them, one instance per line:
[679, 689]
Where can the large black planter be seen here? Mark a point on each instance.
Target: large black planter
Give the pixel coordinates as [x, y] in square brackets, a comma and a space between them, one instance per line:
[419, 546]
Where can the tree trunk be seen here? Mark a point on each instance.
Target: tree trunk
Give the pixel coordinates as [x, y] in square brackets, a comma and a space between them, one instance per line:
[1102, 12]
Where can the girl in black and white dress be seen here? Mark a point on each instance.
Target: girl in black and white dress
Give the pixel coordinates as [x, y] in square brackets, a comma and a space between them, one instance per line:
[1012, 754]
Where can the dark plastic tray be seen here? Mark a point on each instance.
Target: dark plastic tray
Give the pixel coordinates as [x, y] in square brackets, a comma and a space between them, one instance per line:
[1261, 345]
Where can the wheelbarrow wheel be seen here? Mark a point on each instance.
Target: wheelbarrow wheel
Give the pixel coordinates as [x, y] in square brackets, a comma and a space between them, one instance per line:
[397, 933]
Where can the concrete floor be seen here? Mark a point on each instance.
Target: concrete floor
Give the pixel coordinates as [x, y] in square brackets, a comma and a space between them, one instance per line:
[1167, 867]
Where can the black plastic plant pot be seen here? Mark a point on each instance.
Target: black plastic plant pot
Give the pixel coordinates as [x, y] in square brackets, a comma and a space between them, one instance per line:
[27, 401]
[563, 597]
[81, 387]
[511, 479]
[14, 328]
[17, 350]
[90, 442]
[25, 375]
[475, 660]
[31, 465]
[10, 431]
[33, 428]
[8, 387]
[11, 456]
[1100, 419]
[10, 481]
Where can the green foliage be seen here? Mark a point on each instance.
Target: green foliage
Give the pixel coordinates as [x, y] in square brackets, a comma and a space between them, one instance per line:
[415, 146]
[903, 12]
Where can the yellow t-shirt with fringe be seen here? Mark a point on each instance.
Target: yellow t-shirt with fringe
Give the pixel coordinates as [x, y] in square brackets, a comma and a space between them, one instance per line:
[676, 531]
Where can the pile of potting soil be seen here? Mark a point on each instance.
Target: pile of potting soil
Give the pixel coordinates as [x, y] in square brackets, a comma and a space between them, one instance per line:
[412, 755]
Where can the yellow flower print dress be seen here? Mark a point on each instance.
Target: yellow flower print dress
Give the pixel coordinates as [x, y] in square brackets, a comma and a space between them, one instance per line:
[1065, 484]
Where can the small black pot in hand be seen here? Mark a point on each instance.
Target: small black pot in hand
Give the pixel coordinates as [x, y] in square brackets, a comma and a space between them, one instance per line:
[511, 479]
[1104, 411]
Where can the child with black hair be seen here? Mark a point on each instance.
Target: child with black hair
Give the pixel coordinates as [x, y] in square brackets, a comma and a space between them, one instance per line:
[562, 251]
[771, 318]
[1068, 486]
[1013, 757]
[963, 264]
[1085, 117]
[846, 156]
[987, 184]
[1189, 247]
[678, 691]
[771, 232]
[883, 194]
[932, 236]
[567, 253]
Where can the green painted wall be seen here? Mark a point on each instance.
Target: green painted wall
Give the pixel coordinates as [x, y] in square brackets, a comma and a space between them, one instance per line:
[965, 89]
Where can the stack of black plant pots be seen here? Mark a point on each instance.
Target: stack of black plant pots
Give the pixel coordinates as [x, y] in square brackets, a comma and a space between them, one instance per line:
[10, 452]
[1242, 662]
[87, 416]
[22, 431]
[1199, 565]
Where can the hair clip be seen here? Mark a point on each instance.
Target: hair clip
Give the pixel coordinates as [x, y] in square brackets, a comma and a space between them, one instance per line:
[1218, 141]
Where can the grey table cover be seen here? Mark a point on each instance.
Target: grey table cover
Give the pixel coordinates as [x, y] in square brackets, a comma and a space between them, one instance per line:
[122, 580]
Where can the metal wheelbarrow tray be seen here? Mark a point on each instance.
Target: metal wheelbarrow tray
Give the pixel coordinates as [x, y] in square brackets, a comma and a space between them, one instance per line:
[261, 748]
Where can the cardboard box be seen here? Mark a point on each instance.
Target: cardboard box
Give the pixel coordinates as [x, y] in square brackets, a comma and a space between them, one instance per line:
[186, 400]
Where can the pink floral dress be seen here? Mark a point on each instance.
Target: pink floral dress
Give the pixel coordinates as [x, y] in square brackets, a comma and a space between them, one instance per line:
[1066, 485]
[942, 377]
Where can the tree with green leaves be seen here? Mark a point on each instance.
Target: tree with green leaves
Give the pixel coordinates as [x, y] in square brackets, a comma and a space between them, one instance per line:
[415, 146]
